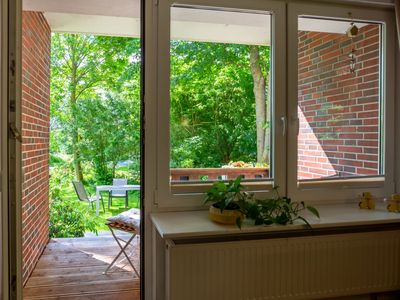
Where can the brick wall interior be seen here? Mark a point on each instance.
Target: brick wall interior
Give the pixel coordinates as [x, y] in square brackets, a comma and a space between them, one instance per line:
[338, 110]
[35, 131]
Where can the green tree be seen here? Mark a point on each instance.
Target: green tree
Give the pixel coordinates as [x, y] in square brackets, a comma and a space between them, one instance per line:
[213, 103]
[109, 133]
[86, 67]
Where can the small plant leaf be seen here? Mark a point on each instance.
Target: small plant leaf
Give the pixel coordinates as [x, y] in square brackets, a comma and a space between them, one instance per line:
[239, 222]
[268, 222]
[305, 222]
[313, 210]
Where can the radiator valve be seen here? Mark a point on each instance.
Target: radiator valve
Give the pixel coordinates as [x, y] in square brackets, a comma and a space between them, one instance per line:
[394, 203]
[367, 201]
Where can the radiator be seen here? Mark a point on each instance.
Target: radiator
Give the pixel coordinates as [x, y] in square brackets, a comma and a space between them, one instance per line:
[288, 268]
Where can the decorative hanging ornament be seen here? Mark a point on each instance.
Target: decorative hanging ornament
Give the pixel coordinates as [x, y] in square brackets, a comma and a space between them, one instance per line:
[352, 56]
[352, 32]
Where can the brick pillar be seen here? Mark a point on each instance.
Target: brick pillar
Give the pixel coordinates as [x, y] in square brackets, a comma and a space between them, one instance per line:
[36, 40]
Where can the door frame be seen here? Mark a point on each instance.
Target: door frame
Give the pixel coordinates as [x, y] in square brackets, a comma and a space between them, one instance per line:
[11, 151]
[4, 290]
[142, 148]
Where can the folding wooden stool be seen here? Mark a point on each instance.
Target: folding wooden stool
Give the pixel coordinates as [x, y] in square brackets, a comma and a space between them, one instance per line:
[126, 228]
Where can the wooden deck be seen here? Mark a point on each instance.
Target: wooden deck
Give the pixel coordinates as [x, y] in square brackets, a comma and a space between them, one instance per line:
[73, 269]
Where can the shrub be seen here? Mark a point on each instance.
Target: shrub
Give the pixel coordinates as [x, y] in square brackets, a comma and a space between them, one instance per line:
[69, 219]
[55, 160]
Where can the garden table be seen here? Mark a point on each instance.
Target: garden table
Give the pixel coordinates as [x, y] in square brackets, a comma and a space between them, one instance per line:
[102, 188]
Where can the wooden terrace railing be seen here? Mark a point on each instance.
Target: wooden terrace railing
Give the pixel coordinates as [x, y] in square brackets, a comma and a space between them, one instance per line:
[206, 174]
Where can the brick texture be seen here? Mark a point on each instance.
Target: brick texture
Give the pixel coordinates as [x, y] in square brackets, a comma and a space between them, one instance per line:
[35, 133]
[338, 110]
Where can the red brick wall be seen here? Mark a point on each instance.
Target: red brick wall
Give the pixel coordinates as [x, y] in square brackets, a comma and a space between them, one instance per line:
[35, 132]
[339, 111]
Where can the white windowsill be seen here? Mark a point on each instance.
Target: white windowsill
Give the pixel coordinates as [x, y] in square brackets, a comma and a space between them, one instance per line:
[190, 224]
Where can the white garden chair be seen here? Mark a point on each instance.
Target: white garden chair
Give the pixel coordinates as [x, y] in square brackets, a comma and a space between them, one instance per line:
[118, 193]
[84, 196]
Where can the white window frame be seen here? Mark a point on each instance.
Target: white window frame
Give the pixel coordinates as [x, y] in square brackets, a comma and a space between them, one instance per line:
[342, 190]
[165, 196]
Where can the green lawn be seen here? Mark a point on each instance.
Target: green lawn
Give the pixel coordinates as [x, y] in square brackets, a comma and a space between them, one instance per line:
[118, 204]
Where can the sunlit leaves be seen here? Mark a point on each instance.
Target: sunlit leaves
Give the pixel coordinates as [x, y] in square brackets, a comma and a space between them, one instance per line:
[212, 98]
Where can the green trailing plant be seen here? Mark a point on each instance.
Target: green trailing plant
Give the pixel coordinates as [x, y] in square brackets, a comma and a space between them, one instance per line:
[275, 210]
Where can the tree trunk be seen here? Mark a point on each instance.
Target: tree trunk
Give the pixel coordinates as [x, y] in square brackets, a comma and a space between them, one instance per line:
[261, 105]
[75, 134]
[75, 142]
[77, 164]
[267, 140]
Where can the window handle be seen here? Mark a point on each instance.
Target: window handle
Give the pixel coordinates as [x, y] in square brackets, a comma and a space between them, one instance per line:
[283, 120]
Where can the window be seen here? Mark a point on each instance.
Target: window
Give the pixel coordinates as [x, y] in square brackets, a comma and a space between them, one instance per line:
[220, 95]
[340, 105]
[310, 111]
[341, 116]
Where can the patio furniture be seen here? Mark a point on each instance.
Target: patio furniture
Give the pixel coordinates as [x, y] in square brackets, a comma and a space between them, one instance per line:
[120, 193]
[85, 197]
[100, 188]
[128, 221]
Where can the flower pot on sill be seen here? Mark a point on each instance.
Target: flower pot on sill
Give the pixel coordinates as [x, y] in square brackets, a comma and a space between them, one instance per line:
[227, 216]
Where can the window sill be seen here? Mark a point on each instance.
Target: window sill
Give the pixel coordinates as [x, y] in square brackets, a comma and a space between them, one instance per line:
[200, 188]
[368, 182]
[335, 218]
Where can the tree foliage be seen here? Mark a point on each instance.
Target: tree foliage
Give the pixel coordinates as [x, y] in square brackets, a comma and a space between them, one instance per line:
[95, 88]
[213, 112]
[95, 105]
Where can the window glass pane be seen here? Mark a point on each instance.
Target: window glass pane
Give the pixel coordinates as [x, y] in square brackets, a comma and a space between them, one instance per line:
[220, 95]
[339, 99]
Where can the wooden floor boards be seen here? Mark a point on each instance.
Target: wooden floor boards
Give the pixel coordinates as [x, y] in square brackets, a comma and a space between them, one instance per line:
[73, 269]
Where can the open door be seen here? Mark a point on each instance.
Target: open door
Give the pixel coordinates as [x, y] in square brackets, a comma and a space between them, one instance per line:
[17, 80]
[10, 150]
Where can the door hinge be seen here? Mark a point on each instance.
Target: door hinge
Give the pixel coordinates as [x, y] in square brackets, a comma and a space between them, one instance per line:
[155, 197]
[13, 284]
[15, 134]
[12, 67]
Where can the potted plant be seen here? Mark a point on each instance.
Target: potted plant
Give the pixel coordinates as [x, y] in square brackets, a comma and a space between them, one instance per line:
[231, 205]
[225, 198]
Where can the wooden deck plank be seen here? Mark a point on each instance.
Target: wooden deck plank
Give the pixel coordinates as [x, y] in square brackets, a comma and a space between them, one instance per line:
[61, 279]
[82, 288]
[68, 271]
[126, 295]
[73, 269]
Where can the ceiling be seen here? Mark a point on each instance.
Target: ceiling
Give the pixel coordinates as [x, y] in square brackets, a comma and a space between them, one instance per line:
[122, 18]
